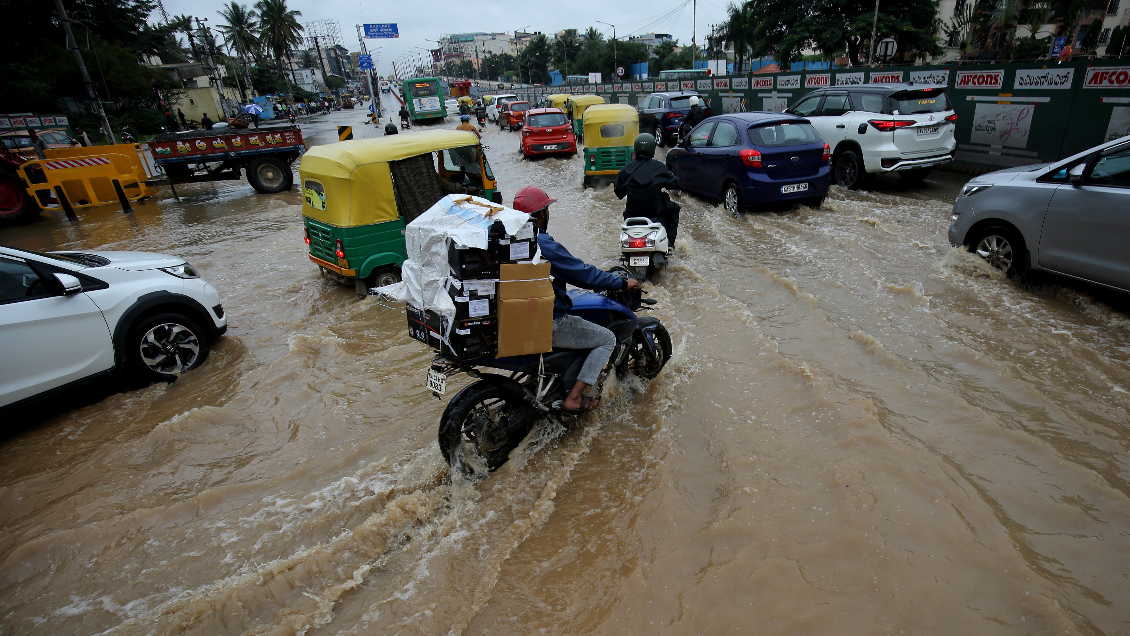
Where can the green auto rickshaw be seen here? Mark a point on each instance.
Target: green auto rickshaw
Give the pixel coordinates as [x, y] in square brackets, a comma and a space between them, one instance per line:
[576, 109]
[358, 196]
[610, 132]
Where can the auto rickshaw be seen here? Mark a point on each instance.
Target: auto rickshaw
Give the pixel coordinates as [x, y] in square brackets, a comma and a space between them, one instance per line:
[576, 109]
[555, 100]
[358, 195]
[466, 99]
[610, 132]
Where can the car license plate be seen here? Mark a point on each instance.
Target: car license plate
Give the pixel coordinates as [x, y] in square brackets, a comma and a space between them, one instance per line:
[639, 261]
[549, 147]
[437, 381]
[796, 187]
[929, 130]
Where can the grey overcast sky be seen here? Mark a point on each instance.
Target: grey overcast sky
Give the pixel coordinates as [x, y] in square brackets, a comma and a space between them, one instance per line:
[418, 21]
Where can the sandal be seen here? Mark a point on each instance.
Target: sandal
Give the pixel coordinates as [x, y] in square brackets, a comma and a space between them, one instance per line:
[587, 404]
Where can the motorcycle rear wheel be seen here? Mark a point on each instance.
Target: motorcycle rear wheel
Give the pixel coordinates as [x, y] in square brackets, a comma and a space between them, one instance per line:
[483, 420]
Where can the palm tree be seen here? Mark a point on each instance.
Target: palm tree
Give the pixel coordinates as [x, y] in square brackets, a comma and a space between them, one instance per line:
[280, 31]
[239, 32]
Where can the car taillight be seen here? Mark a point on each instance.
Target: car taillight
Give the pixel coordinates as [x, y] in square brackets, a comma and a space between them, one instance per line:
[751, 158]
[306, 234]
[827, 154]
[887, 125]
[637, 242]
[671, 115]
[338, 249]
[952, 117]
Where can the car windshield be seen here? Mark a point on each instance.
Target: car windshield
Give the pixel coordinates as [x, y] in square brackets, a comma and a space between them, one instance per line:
[423, 89]
[783, 134]
[545, 120]
[916, 102]
[462, 159]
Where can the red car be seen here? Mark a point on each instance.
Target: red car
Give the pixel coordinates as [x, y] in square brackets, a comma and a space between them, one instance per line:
[512, 115]
[547, 131]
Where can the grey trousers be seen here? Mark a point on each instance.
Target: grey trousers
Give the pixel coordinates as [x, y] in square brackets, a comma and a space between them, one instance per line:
[574, 332]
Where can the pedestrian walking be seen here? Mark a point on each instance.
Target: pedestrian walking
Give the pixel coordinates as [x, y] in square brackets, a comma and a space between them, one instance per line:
[183, 121]
[255, 119]
[83, 138]
[206, 122]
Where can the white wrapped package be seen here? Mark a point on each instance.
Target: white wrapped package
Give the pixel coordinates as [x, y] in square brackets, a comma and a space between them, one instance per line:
[464, 220]
[461, 218]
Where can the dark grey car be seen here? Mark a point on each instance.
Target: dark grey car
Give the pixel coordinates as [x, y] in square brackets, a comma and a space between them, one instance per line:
[1071, 217]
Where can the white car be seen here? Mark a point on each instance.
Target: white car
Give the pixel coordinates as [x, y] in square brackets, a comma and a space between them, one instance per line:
[67, 318]
[494, 101]
[879, 128]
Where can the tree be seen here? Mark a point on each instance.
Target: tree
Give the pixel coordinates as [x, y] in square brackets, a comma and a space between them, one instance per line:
[566, 48]
[280, 30]
[306, 59]
[590, 57]
[533, 60]
[1118, 41]
[239, 32]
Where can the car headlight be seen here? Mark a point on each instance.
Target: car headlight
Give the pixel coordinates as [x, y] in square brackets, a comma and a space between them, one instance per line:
[184, 270]
[973, 188]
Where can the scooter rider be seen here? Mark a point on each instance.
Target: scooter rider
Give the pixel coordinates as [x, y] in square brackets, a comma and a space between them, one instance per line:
[465, 124]
[404, 114]
[573, 332]
[694, 116]
[390, 129]
[642, 181]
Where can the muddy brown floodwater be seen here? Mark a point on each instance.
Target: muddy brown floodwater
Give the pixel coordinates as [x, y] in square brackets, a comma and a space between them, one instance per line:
[862, 431]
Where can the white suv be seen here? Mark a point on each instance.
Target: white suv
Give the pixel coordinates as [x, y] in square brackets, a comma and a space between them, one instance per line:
[877, 128]
[67, 318]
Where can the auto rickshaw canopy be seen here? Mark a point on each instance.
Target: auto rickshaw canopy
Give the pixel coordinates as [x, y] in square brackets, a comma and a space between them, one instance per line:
[355, 178]
[557, 100]
[581, 102]
[610, 125]
[466, 99]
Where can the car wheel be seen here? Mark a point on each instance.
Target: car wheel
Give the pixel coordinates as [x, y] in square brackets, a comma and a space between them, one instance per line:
[849, 170]
[658, 134]
[269, 175]
[1002, 248]
[732, 200]
[914, 177]
[163, 347]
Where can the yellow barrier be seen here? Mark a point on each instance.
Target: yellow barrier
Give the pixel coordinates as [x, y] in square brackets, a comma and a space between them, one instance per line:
[132, 152]
[85, 180]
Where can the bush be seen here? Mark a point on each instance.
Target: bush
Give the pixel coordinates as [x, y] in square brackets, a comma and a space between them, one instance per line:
[1029, 49]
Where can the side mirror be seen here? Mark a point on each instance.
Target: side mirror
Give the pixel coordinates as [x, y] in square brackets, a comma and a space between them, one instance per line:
[70, 284]
[1075, 177]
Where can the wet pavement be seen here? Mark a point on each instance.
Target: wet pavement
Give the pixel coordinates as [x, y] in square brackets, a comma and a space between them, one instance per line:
[862, 431]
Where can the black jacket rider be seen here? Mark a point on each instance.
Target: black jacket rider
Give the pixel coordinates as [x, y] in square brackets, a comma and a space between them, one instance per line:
[695, 115]
[404, 113]
[642, 181]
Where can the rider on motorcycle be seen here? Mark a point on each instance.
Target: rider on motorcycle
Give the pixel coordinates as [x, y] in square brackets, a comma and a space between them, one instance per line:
[573, 332]
[390, 129]
[465, 124]
[694, 117]
[404, 114]
[642, 181]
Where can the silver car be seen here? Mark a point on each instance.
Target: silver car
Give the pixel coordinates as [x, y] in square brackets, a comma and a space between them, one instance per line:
[1071, 217]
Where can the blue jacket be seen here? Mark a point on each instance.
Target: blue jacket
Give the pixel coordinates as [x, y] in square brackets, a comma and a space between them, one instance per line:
[566, 268]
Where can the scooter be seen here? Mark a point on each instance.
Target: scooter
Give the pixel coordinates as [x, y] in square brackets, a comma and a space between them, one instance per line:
[404, 125]
[481, 115]
[643, 246]
[490, 417]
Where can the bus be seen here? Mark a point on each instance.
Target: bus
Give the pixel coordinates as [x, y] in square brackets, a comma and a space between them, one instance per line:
[684, 73]
[424, 98]
[575, 80]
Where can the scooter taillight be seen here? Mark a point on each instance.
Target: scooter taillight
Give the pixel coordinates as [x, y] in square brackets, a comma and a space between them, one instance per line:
[637, 242]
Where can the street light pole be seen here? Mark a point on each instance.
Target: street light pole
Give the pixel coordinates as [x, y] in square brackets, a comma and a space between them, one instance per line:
[90, 90]
[517, 52]
[615, 60]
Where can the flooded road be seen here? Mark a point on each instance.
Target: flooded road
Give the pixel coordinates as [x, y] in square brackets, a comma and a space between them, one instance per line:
[862, 431]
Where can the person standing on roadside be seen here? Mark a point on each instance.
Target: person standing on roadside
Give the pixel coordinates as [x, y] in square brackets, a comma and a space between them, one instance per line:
[83, 138]
[206, 122]
[183, 121]
[39, 143]
[170, 123]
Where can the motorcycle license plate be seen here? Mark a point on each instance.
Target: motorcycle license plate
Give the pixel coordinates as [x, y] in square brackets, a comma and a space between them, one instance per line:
[437, 381]
[931, 130]
[639, 261]
[796, 187]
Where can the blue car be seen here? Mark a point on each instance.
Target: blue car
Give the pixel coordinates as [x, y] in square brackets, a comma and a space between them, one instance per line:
[753, 158]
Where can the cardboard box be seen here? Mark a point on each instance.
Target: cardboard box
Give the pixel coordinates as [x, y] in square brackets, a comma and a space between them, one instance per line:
[470, 263]
[476, 299]
[525, 310]
[426, 326]
[469, 339]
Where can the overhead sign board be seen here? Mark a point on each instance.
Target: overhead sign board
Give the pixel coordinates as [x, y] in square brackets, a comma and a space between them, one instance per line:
[364, 61]
[376, 31]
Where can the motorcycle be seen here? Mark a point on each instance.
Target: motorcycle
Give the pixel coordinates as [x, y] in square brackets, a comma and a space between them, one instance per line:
[643, 246]
[490, 417]
[127, 136]
[404, 125]
[481, 115]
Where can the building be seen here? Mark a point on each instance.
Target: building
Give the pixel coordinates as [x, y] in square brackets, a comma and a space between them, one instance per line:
[473, 46]
[203, 90]
[652, 40]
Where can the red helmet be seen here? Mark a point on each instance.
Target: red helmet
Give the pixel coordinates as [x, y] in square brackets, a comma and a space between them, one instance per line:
[530, 199]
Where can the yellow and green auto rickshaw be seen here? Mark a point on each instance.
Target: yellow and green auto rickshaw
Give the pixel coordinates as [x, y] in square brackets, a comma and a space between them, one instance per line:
[610, 132]
[576, 109]
[466, 99]
[358, 196]
[555, 100]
